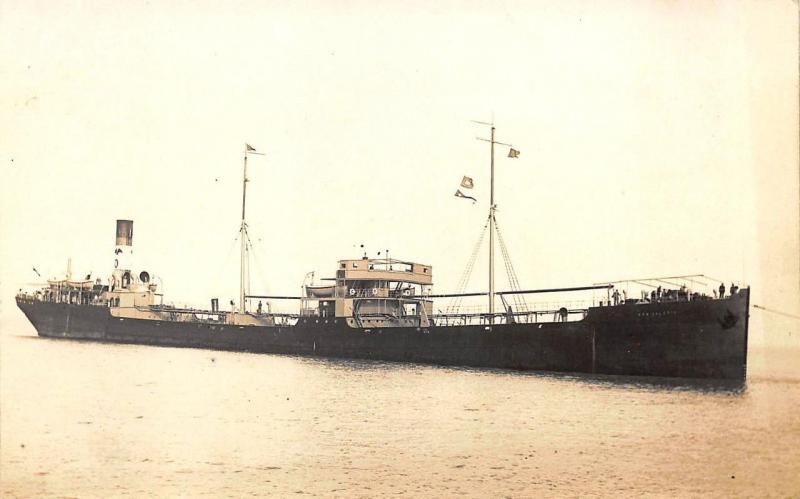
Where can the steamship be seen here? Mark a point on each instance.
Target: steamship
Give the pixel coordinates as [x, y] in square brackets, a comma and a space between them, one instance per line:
[383, 309]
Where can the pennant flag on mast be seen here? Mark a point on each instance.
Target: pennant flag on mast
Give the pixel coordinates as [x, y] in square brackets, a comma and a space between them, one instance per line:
[248, 147]
[513, 153]
[467, 183]
[460, 194]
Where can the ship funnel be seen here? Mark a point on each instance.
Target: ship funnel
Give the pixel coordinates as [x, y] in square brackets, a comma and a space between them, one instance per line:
[124, 232]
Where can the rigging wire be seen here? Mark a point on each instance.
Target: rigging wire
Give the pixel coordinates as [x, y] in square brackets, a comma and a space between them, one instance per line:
[771, 310]
[259, 270]
[455, 302]
[513, 280]
[509, 272]
[221, 269]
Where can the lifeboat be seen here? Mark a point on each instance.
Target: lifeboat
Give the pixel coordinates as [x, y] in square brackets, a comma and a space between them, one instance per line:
[324, 291]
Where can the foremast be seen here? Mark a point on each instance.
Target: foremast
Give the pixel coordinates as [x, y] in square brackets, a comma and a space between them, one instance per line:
[248, 149]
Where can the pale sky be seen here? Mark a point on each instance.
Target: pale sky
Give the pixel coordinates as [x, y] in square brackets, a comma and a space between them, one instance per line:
[656, 138]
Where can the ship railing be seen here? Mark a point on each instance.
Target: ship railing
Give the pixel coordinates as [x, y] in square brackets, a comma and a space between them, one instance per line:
[538, 306]
[669, 288]
[562, 314]
[204, 315]
[549, 306]
[75, 298]
[30, 298]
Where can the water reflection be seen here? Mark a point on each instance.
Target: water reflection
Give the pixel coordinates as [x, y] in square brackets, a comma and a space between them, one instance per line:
[718, 386]
[190, 422]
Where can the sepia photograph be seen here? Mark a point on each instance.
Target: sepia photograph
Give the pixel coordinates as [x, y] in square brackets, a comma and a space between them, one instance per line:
[347, 249]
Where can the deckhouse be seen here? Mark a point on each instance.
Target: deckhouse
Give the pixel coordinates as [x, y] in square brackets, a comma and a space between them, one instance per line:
[380, 292]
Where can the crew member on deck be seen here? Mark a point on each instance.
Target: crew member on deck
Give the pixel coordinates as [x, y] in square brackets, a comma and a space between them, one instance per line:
[510, 315]
[721, 290]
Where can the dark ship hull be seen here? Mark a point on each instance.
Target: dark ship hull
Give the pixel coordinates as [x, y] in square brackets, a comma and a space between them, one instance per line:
[686, 339]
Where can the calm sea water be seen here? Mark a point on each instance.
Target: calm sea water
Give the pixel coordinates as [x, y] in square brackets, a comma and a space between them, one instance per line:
[96, 420]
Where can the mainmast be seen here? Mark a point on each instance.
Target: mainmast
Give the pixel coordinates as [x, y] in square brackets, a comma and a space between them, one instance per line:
[491, 233]
[492, 221]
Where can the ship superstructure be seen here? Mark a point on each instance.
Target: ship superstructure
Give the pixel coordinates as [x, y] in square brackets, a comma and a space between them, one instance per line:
[374, 292]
